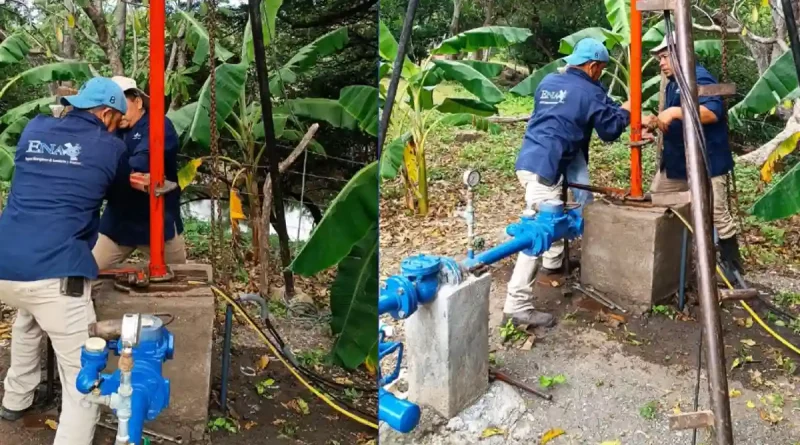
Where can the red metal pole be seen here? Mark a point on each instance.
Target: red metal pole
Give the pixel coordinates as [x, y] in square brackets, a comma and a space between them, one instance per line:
[636, 100]
[158, 267]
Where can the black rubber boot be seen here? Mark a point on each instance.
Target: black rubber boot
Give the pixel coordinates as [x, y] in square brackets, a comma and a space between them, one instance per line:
[11, 415]
[730, 255]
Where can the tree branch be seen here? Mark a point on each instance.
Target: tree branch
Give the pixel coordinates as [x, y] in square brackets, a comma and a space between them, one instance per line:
[94, 11]
[333, 17]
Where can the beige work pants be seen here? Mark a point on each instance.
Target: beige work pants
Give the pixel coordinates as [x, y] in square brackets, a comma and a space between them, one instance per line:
[42, 309]
[108, 253]
[519, 295]
[723, 221]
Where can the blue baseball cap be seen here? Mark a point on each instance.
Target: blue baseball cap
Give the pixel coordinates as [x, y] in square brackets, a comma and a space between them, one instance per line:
[587, 50]
[97, 92]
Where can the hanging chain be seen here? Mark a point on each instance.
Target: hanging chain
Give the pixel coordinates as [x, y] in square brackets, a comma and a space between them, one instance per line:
[732, 190]
[216, 185]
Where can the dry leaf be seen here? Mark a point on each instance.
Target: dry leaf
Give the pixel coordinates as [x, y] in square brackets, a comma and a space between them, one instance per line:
[262, 362]
[52, 424]
[772, 416]
[747, 342]
[492, 431]
[278, 422]
[611, 442]
[528, 345]
[734, 393]
[748, 322]
[555, 283]
[550, 435]
[343, 381]
[249, 425]
[750, 404]
[303, 406]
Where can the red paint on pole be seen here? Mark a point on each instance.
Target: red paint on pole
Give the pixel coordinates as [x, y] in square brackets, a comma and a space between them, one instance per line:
[636, 100]
[156, 115]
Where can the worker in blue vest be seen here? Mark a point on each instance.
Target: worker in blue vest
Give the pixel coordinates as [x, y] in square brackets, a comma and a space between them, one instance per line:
[671, 175]
[569, 107]
[125, 225]
[65, 168]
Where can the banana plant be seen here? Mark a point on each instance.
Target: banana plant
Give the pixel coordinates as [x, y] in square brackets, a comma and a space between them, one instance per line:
[420, 112]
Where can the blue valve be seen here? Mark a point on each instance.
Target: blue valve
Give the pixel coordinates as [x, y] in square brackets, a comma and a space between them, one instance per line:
[401, 415]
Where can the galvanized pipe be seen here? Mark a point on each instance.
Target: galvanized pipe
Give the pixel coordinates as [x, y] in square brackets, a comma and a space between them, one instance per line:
[701, 220]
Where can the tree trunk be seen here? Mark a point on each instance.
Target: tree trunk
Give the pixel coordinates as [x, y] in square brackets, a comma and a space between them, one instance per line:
[94, 10]
[120, 20]
[489, 16]
[454, 24]
[266, 212]
[760, 155]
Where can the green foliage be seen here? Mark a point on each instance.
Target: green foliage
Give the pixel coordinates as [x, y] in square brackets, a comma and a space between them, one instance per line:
[8, 146]
[548, 381]
[782, 200]
[649, 411]
[482, 38]
[14, 49]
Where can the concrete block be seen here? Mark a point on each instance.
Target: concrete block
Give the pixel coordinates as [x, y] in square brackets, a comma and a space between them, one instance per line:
[190, 370]
[448, 347]
[632, 253]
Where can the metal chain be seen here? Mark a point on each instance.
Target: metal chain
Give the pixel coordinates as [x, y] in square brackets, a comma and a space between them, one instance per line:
[732, 190]
[216, 185]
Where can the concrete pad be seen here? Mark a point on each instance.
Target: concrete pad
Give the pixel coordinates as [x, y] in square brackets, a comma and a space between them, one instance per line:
[632, 253]
[190, 370]
[448, 347]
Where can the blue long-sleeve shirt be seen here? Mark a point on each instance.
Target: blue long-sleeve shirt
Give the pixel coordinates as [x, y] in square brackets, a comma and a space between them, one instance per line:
[65, 168]
[720, 158]
[568, 107]
[127, 220]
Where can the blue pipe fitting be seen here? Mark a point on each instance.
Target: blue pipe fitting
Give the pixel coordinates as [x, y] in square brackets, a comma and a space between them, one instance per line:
[423, 271]
[401, 415]
[93, 362]
[398, 297]
[151, 391]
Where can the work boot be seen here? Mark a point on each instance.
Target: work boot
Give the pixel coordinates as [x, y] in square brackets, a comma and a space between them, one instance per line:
[531, 318]
[729, 254]
[11, 415]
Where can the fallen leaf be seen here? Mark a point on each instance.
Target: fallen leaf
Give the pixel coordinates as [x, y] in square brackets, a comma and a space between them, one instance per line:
[612, 442]
[528, 345]
[772, 416]
[492, 431]
[734, 393]
[278, 422]
[550, 435]
[263, 362]
[52, 424]
[343, 381]
[747, 342]
[555, 283]
[249, 425]
[750, 404]
[303, 406]
[748, 322]
[736, 363]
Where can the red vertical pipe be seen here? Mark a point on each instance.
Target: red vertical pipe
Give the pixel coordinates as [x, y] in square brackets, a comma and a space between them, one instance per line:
[158, 267]
[635, 88]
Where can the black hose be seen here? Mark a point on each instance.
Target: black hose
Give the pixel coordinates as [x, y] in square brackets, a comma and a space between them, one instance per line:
[791, 29]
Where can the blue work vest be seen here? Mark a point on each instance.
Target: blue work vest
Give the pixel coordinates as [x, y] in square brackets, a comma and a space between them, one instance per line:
[568, 107]
[720, 158]
[127, 220]
[65, 168]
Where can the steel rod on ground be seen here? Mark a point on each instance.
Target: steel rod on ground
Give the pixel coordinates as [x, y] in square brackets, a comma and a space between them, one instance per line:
[254, 6]
[397, 68]
[701, 220]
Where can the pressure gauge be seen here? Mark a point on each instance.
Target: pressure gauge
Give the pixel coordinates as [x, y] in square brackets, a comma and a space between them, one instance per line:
[131, 328]
[471, 178]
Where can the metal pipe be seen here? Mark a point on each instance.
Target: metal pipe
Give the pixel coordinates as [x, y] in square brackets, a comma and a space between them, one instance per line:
[469, 215]
[565, 199]
[269, 136]
[397, 68]
[158, 266]
[791, 29]
[255, 298]
[684, 251]
[122, 402]
[635, 89]
[701, 220]
[226, 358]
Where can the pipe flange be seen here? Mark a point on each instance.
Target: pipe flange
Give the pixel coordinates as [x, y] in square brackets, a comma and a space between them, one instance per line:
[402, 290]
[450, 271]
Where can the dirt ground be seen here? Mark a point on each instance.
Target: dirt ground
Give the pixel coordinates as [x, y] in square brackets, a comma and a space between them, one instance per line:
[285, 411]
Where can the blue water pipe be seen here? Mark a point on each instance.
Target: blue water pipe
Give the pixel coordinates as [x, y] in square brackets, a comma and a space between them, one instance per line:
[421, 276]
[137, 394]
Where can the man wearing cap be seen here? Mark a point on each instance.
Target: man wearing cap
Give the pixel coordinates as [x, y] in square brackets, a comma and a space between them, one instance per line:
[65, 168]
[671, 175]
[125, 225]
[569, 106]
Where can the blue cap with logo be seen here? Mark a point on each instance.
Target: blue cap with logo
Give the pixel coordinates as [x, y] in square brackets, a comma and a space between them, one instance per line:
[587, 50]
[97, 92]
